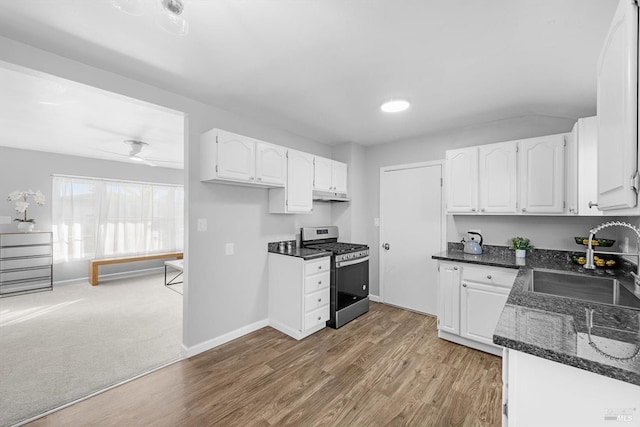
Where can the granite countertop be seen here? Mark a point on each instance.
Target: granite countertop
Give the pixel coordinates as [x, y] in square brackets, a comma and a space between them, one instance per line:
[297, 252]
[555, 328]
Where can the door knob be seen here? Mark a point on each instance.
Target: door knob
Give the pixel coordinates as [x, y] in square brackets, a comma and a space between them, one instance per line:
[386, 246]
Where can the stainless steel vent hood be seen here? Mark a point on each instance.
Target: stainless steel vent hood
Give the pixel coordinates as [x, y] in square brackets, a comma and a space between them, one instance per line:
[327, 196]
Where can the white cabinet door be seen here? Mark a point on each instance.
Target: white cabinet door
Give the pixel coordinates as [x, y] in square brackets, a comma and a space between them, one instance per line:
[299, 181]
[339, 177]
[541, 174]
[497, 176]
[571, 171]
[587, 135]
[322, 174]
[462, 180]
[271, 163]
[618, 111]
[449, 298]
[236, 156]
[480, 309]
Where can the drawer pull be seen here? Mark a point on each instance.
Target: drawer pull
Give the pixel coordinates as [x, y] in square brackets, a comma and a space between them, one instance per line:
[464, 285]
[319, 267]
[319, 282]
[319, 317]
[319, 299]
[455, 268]
[489, 276]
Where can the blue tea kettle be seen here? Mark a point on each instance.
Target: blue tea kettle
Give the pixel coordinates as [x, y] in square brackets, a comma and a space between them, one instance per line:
[472, 246]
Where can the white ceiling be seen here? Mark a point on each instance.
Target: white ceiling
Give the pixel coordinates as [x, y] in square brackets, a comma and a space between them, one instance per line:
[321, 68]
[45, 113]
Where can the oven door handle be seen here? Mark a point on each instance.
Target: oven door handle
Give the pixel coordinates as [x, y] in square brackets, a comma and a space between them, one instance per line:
[351, 262]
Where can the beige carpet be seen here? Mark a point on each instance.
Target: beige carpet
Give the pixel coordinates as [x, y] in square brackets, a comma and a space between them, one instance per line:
[58, 346]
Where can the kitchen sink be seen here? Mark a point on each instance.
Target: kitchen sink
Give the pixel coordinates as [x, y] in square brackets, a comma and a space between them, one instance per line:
[604, 290]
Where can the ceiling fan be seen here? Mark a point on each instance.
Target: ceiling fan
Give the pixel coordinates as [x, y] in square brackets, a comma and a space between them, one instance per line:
[135, 153]
[169, 14]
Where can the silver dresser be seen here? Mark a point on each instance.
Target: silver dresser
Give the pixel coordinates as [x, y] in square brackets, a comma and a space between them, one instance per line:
[26, 263]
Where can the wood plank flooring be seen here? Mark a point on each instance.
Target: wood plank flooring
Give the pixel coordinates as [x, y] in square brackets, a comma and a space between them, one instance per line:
[387, 367]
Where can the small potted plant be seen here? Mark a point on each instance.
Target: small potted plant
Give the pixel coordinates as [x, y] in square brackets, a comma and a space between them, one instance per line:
[25, 224]
[521, 245]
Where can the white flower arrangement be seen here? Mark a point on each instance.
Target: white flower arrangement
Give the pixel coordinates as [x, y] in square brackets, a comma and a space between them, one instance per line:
[22, 203]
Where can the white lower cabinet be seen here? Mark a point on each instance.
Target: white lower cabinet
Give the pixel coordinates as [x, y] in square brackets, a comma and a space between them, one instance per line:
[539, 392]
[470, 301]
[298, 294]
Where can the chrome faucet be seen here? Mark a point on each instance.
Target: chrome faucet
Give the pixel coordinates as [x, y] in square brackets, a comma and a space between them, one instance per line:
[590, 252]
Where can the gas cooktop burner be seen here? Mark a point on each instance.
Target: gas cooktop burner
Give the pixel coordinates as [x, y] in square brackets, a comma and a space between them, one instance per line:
[338, 247]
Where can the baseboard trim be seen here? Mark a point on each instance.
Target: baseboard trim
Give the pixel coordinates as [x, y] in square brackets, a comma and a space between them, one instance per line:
[374, 298]
[222, 339]
[120, 275]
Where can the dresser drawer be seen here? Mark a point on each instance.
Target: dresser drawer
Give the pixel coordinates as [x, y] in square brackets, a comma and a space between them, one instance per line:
[316, 300]
[315, 267]
[12, 264]
[19, 239]
[317, 282]
[25, 286]
[490, 275]
[316, 317]
[25, 274]
[23, 251]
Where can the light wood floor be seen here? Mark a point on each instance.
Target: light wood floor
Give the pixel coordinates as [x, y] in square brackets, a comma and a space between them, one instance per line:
[387, 367]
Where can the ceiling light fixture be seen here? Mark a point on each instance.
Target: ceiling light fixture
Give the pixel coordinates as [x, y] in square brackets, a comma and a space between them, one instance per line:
[131, 7]
[170, 17]
[395, 105]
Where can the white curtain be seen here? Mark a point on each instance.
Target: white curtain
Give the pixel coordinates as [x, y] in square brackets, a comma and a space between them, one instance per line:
[97, 218]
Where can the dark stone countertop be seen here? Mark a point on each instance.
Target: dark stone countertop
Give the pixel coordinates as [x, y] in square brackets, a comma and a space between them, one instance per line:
[555, 328]
[297, 252]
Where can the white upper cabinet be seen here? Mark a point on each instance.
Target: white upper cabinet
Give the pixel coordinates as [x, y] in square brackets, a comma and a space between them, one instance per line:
[271, 163]
[339, 177]
[584, 188]
[541, 176]
[237, 159]
[497, 177]
[296, 197]
[329, 175]
[618, 111]
[462, 180]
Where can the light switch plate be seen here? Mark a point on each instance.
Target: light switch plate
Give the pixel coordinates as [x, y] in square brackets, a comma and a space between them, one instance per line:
[202, 224]
[228, 249]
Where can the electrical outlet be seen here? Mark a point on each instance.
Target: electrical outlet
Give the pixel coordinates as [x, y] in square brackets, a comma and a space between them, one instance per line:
[202, 224]
[228, 249]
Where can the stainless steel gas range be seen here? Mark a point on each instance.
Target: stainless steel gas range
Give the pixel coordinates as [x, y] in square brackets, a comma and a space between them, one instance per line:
[349, 296]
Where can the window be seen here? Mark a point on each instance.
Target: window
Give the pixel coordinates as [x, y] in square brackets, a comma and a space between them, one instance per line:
[100, 218]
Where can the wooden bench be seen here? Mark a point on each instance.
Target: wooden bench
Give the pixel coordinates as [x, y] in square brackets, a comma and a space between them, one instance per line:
[95, 263]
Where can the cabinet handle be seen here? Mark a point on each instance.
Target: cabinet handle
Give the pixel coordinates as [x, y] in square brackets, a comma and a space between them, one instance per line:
[524, 209]
[319, 318]
[364, 287]
[259, 179]
[489, 276]
[482, 210]
[473, 209]
[251, 178]
[319, 299]
[464, 285]
[455, 268]
[319, 267]
[319, 282]
[591, 204]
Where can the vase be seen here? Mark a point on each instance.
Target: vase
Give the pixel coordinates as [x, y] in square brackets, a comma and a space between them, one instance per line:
[521, 253]
[25, 227]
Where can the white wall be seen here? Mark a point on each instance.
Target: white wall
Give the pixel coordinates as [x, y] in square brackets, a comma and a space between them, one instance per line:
[24, 169]
[545, 232]
[223, 293]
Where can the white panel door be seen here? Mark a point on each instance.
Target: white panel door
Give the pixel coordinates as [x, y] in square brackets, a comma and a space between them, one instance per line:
[462, 180]
[541, 177]
[299, 181]
[322, 174]
[271, 163]
[236, 156]
[480, 308]
[497, 172]
[449, 298]
[618, 110]
[411, 224]
[587, 132]
[339, 177]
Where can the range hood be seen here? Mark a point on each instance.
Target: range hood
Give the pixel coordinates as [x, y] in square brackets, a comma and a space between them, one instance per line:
[327, 196]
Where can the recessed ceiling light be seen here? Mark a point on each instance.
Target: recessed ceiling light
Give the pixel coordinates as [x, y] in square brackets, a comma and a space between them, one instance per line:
[395, 105]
